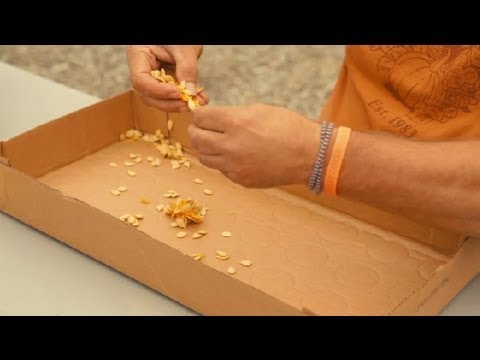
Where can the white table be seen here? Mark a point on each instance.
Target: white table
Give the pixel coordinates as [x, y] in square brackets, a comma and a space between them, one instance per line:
[41, 276]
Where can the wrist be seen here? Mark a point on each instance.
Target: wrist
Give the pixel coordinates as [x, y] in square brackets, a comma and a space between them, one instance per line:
[310, 146]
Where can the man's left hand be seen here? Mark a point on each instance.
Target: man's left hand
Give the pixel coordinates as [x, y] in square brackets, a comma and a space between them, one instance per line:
[257, 146]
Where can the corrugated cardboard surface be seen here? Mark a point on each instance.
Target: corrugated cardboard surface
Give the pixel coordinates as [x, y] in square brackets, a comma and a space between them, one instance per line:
[307, 258]
[131, 252]
[67, 139]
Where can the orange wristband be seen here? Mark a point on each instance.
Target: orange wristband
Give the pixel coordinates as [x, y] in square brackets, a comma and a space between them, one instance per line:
[336, 160]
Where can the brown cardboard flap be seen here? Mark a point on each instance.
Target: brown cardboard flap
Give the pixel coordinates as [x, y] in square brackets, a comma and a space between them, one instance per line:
[147, 118]
[71, 137]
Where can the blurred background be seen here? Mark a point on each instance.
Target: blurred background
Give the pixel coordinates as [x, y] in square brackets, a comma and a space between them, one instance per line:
[298, 77]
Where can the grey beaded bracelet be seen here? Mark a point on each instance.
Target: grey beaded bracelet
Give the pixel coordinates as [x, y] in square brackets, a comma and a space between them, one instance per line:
[315, 182]
[317, 165]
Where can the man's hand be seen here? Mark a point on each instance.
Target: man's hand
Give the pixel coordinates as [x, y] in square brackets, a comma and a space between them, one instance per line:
[143, 59]
[257, 146]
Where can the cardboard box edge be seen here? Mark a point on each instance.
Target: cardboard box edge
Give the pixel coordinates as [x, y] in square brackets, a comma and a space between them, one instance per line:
[55, 126]
[3, 160]
[276, 306]
[445, 284]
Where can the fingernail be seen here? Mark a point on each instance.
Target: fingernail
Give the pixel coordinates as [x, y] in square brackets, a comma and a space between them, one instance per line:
[174, 96]
[191, 87]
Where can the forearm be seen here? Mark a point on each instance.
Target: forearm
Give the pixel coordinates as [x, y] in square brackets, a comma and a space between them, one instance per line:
[438, 182]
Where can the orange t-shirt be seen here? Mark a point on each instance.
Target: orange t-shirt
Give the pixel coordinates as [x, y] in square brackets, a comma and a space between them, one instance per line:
[426, 92]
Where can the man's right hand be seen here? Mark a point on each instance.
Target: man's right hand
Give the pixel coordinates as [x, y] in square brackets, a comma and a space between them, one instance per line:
[144, 59]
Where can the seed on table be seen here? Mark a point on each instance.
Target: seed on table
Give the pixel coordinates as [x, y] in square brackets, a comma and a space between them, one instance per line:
[122, 189]
[207, 192]
[226, 234]
[150, 158]
[173, 224]
[144, 201]
[137, 134]
[198, 181]
[197, 256]
[202, 232]
[112, 164]
[159, 208]
[128, 163]
[139, 216]
[181, 223]
[115, 192]
[170, 124]
[175, 164]
[138, 160]
[131, 219]
[196, 235]
[131, 173]
[125, 217]
[136, 223]
[221, 253]
[130, 133]
[133, 156]
[181, 234]
[231, 270]
[187, 164]
[156, 163]
[245, 263]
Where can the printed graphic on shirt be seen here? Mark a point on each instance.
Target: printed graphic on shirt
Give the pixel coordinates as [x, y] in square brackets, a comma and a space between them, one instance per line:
[436, 83]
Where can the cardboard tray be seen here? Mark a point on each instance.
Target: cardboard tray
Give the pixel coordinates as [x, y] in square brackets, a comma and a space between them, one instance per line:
[311, 255]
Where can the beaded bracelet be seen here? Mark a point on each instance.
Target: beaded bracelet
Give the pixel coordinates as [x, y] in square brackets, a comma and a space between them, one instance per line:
[315, 182]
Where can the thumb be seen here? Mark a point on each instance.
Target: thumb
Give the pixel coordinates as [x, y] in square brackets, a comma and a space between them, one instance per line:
[187, 68]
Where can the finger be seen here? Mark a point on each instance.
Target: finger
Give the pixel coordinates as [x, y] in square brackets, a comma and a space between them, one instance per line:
[146, 84]
[186, 67]
[211, 118]
[162, 54]
[216, 162]
[141, 62]
[203, 97]
[205, 142]
[166, 105]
